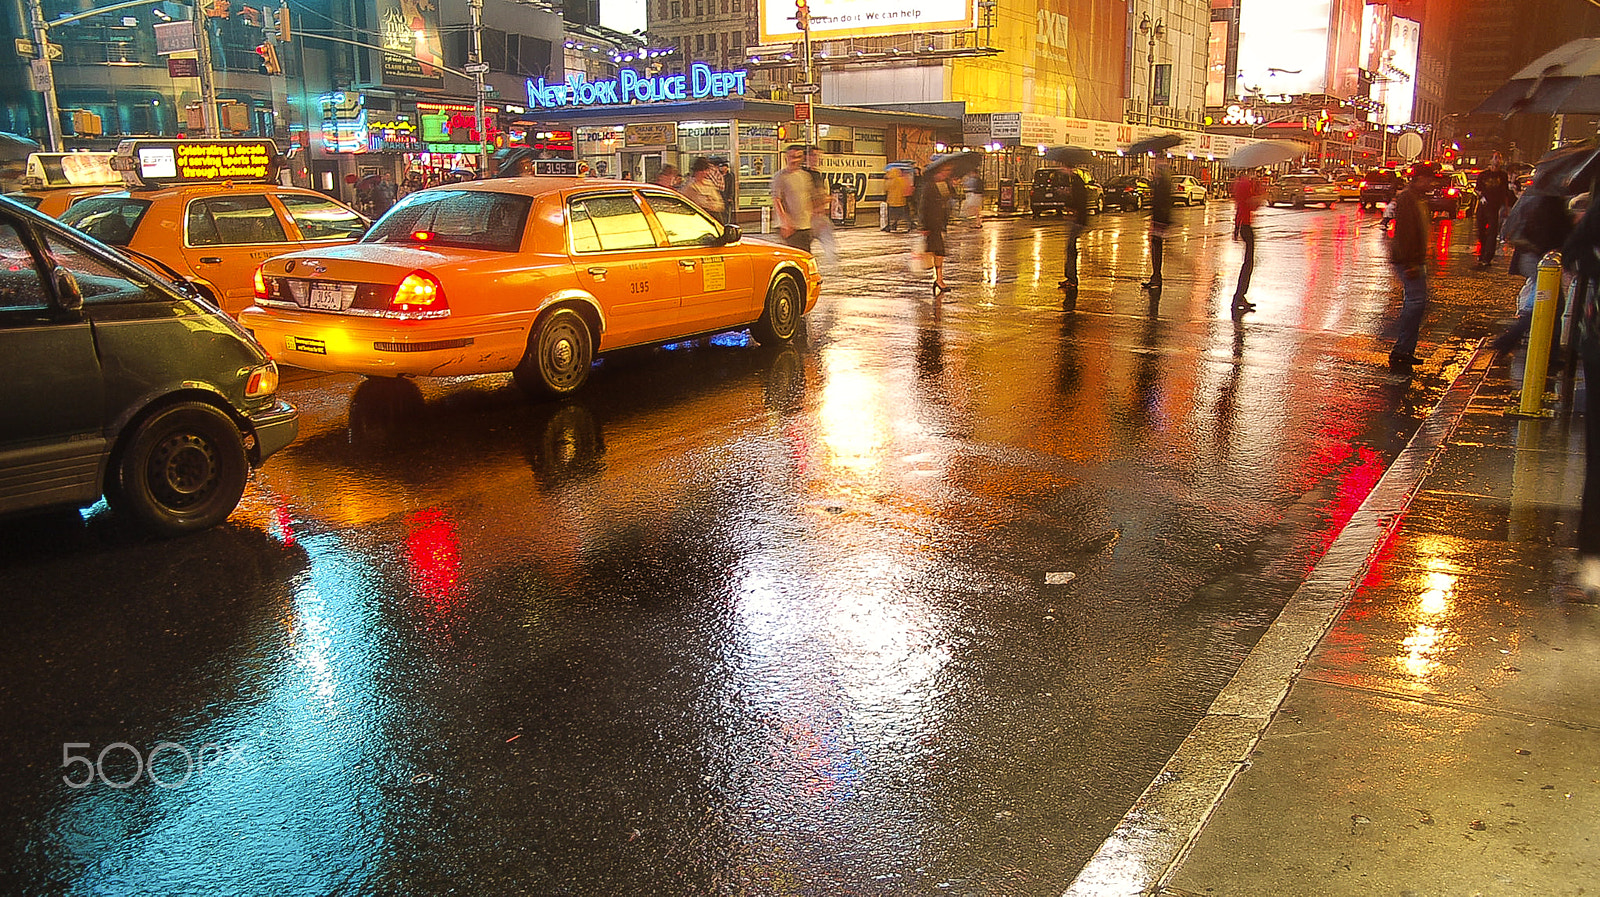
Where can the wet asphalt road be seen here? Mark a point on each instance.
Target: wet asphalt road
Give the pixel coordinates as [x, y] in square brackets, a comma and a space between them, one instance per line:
[919, 605]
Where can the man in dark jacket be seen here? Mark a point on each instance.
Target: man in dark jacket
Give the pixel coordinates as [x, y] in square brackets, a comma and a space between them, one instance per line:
[1408, 252]
[1494, 198]
[1160, 220]
[1077, 218]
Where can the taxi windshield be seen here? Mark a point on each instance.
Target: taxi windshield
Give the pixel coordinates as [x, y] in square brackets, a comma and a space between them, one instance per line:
[109, 219]
[465, 219]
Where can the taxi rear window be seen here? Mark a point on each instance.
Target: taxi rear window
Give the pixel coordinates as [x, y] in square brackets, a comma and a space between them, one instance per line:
[466, 219]
[109, 219]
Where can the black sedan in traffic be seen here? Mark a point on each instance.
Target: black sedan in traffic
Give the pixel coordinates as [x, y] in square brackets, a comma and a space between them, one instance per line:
[1130, 192]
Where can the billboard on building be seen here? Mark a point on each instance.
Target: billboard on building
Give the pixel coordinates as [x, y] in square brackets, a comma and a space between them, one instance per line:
[1283, 47]
[411, 29]
[855, 18]
[1397, 79]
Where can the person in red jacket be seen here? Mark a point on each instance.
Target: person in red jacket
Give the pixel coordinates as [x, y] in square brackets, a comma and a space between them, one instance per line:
[1408, 252]
[1247, 195]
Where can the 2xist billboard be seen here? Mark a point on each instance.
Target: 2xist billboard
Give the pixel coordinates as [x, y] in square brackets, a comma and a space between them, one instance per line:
[832, 19]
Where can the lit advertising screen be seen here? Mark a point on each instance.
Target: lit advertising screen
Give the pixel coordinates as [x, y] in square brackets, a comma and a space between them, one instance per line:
[1217, 65]
[1399, 73]
[410, 28]
[1283, 47]
[854, 18]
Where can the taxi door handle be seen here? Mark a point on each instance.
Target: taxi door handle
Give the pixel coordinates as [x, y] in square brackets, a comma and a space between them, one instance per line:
[686, 263]
[598, 272]
[210, 260]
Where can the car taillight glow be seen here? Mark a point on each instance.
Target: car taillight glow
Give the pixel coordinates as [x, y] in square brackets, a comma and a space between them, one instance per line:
[1450, 192]
[422, 236]
[261, 284]
[1363, 185]
[263, 381]
[419, 292]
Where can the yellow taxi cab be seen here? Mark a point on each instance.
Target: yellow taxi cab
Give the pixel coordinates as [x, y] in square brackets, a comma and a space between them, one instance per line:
[53, 182]
[211, 210]
[532, 275]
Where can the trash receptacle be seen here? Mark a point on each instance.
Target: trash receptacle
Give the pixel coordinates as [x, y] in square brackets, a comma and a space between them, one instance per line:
[1007, 201]
[842, 210]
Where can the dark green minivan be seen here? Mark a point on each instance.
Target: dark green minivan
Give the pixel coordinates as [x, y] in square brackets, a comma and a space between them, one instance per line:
[115, 382]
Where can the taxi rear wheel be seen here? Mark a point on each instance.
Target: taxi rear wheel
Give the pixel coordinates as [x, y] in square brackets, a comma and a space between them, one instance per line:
[183, 469]
[559, 355]
[781, 318]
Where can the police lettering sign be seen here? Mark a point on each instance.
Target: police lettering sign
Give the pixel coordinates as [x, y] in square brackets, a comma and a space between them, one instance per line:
[154, 163]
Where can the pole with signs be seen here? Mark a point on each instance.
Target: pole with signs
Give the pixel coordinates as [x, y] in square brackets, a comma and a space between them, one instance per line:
[44, 76]
[477, 68]
[802, 20]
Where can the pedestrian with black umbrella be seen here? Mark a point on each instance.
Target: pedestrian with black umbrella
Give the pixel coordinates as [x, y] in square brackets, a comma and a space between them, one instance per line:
[1160, 220]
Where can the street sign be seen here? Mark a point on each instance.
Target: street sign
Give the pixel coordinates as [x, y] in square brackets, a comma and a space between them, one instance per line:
[175, 37]
[805, 89]
[183, 67]
[475, 68]
[28, 49]
[802, 112]
[1410, 145]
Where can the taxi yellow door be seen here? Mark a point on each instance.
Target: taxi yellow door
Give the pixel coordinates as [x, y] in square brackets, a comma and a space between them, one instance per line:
[617, 260]
[715, 279]
[225, 237]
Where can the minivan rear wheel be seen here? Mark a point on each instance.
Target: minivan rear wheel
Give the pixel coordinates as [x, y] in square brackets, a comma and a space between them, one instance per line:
[183, 469]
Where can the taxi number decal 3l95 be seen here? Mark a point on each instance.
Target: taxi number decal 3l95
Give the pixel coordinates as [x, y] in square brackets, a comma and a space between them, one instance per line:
[639, 286]
[332, 297]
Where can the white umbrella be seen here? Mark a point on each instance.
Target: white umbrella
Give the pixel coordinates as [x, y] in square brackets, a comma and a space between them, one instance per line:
[1267, 152]
[1564, 80]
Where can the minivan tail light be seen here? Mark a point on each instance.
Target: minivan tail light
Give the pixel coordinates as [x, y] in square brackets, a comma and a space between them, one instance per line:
[419, 293]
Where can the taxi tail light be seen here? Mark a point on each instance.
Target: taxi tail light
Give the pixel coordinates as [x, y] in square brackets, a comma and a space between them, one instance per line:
[263, 381]
[419, 292]
[1451, 192]
[261, 285]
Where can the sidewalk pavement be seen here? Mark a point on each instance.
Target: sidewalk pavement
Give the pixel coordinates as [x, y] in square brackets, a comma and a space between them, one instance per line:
[1424, 716]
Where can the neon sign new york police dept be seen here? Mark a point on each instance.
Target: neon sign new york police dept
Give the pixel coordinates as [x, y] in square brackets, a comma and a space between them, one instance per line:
[631, 87]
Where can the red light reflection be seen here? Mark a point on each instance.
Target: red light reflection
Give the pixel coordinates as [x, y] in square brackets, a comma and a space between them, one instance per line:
[433, 559]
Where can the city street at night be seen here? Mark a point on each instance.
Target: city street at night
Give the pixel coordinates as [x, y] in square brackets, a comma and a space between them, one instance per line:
[920, 604]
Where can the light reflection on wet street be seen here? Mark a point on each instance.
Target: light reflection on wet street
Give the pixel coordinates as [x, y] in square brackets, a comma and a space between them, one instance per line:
[734, 619]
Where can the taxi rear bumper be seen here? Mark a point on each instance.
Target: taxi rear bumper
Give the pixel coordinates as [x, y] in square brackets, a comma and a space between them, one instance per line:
[385, 346]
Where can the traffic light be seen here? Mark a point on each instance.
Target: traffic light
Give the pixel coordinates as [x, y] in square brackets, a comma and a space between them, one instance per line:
[802, 14]
[1350, 135]
[283, 23]
[269, 59]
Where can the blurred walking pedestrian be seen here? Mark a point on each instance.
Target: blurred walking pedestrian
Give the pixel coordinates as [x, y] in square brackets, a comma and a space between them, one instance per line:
[1494, 199]
[1247, 195]
[792, 200]
[1537, 224]
[896, 191]
[703, 187]
[821, 206]
[1408, 252]
[1077, 215]
[933, 215]
[730, 190]
[972, 201]
[668, 177]
[1581, 255]
[1160, 219]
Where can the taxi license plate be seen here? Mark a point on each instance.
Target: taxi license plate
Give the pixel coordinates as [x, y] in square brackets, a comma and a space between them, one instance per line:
[332, 296]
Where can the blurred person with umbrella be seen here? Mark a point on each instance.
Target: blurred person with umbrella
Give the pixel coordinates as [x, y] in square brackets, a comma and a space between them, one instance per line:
[1247, 196]
[933, 215]
[1077, 213]
[1160, 219]
[822, 204]
[1248, 193]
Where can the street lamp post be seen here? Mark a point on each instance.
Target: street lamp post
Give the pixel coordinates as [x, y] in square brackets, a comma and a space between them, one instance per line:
[1156, 31]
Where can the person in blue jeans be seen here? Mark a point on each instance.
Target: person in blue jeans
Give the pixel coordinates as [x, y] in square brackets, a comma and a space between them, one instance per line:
[1408, 252]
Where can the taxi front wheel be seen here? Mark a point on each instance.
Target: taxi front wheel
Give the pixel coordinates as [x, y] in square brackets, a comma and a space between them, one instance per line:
[559, 355]
[781, 318]
[183, 469]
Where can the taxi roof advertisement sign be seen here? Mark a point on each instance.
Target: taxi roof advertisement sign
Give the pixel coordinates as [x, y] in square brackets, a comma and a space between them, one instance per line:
[152, 163]
[853, 18]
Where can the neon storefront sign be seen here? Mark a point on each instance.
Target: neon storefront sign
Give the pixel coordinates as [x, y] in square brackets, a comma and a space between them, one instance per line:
[702, 82]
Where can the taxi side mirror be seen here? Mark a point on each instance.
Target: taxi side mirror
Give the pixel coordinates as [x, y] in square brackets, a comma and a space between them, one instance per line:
[731, 234]
[68, 294]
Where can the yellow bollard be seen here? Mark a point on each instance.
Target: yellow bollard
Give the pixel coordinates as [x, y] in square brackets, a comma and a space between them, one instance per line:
[1547, 289]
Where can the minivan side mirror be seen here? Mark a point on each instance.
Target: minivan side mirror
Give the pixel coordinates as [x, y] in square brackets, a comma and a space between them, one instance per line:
[68, 294]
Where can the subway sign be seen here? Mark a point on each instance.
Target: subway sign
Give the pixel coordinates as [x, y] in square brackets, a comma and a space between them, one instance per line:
[702, 82]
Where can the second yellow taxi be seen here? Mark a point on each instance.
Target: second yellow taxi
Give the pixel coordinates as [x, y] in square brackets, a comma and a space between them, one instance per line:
[532, 275]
